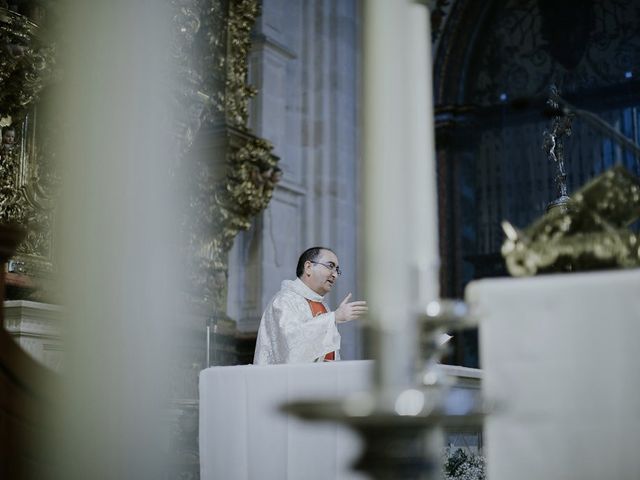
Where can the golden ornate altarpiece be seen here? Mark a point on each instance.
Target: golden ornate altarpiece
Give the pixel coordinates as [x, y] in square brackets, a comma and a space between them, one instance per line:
[27, 181]
[230, 173]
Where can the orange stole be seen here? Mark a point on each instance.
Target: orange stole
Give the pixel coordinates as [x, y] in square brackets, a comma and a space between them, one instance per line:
[317, 308]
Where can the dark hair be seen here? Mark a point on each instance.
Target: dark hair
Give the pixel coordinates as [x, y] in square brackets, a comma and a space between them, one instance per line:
[7, 128]
[309, 255]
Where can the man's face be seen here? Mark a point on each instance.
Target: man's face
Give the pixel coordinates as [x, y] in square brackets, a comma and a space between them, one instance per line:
[321, 275]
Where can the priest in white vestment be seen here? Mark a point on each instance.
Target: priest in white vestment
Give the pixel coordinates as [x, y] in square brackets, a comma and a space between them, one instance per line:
[297, 326]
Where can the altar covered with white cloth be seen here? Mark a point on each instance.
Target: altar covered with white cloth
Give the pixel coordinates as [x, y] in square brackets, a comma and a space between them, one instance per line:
[244, 436]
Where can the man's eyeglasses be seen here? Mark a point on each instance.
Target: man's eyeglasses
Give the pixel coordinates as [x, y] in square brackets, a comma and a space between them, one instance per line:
[330, 266]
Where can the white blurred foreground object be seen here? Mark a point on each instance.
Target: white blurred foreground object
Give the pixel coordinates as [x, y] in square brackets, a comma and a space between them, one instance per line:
[566, 395]
[117, 239]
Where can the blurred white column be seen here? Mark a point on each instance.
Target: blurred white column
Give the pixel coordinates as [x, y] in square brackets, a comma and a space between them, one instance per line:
[117, 236]
[401, 229]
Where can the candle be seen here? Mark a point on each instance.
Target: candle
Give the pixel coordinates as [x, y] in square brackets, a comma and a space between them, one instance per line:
[400, 217]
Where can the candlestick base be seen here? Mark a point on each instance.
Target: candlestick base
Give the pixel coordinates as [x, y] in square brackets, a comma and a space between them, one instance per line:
[560, 203]
[402, 430]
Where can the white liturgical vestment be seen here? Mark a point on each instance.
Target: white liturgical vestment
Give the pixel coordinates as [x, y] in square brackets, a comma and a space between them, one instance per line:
[289, 333]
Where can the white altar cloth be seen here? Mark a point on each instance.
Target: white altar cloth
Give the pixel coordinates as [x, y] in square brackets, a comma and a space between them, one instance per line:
[244, 436]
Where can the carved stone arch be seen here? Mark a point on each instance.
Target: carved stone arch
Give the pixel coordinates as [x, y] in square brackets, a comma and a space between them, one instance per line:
[455, 37]
[520, 46]
[455, 50]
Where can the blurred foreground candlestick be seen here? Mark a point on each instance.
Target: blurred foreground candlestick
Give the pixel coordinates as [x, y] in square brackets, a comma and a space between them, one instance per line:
[402, 418]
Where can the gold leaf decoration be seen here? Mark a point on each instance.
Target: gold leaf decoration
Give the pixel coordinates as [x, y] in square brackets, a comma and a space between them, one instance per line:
[590, 233]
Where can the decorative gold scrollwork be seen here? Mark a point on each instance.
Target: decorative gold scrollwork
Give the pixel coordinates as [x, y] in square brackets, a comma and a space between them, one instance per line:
[591, 233]
[26, 65]
[242, 15]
